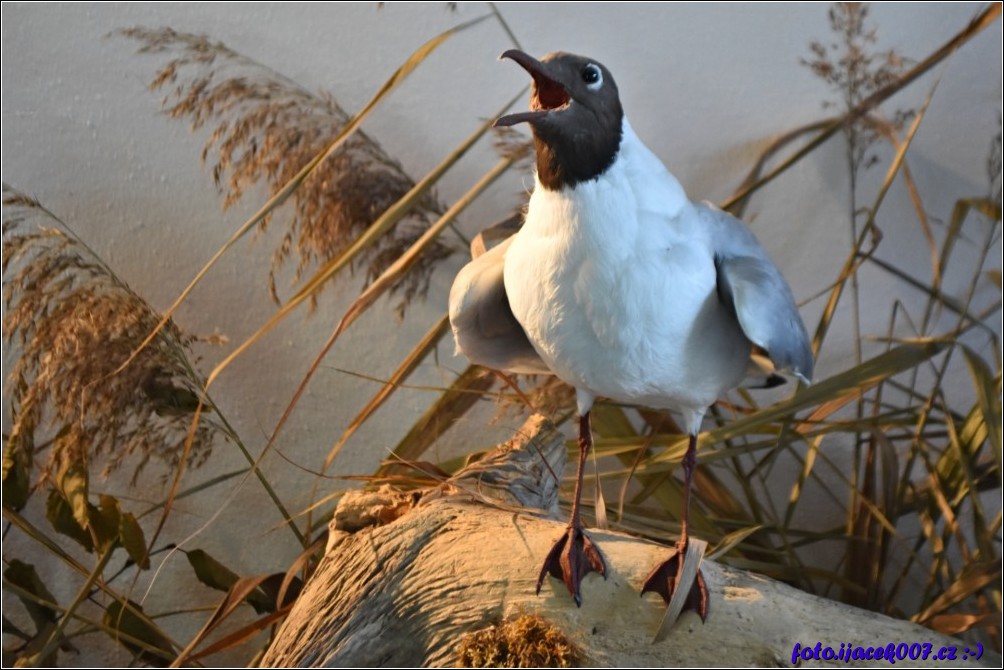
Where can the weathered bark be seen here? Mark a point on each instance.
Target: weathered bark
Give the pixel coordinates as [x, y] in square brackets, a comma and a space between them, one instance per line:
[455, 560]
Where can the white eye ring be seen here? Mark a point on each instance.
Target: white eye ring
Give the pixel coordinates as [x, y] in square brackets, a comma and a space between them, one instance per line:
[593, 76]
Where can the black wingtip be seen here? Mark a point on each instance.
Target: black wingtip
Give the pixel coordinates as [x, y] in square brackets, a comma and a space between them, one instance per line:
[773, 381]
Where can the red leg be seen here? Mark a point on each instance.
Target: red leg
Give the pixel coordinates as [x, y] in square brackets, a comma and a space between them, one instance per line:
[664, 579]
[574, 555]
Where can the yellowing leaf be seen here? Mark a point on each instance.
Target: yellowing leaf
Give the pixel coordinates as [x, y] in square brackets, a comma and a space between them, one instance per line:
[131, 534]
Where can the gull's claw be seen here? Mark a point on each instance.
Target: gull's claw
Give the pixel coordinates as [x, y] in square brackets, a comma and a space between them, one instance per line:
[572, 557]
[664, 580]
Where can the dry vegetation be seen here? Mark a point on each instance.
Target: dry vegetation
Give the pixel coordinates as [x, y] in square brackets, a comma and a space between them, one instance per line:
[526, 641]
[921, 536]
[267, 128]
[74, 323]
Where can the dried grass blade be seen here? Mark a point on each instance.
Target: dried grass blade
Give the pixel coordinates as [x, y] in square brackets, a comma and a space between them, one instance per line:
[397, 211]
[288, 590]
[599, 502]
[237, 594]
[381, 285]
[22, 580]
[427, 344]
[857, 257]
[889, 461]
[736, 204]
[468, 389]
[925, 224]
[280, 197]
[609, 420]
[373, 233]
[960, 211]
[56, 635]
[34, 533]
[966, 453]
[988, 393]
[731, 540]
[149, 644]
[803, 476]
[612, 421]
[160, 655]
[974, 578]
[977, 25]
[852, 381]
[958, 622]
[402, 264]
[717, 497]
[54, 549]
[869, 524]
[219, 479]
[933, 293]
[241, 635]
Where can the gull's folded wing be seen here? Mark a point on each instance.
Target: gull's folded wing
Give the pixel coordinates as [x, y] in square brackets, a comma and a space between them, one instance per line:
[483, 323]
[750, 283]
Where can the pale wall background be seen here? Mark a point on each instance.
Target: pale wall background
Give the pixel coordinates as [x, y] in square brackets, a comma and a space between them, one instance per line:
[706, 86]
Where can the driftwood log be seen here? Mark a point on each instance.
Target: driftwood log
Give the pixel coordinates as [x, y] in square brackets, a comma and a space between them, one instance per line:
[409, 577]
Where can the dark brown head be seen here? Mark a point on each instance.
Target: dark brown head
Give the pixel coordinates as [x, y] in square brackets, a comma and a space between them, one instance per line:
[576, 116]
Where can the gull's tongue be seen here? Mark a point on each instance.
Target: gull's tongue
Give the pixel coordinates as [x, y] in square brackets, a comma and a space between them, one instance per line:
[548, 94]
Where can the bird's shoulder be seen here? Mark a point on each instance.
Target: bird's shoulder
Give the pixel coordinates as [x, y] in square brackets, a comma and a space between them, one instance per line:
[729, 236]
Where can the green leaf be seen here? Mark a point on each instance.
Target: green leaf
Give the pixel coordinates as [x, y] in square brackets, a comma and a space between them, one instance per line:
[59, 514]
[16, 478]
[138, 635]
[10, 629]
[105, 520]
[23, 575]
[211, 572]
[217, 576]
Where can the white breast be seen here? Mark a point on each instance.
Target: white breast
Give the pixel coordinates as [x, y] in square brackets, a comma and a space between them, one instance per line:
[617, 290]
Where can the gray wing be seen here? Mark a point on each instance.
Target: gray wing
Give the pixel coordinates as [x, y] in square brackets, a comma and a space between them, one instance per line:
[753, 287]
[484, 327]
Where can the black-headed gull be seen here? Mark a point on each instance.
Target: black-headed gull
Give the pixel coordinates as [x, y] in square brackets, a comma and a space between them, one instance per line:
[622, 287]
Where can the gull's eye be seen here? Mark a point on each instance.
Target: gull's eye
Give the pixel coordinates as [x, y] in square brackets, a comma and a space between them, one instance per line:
[592, 75]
